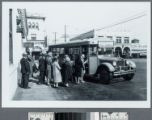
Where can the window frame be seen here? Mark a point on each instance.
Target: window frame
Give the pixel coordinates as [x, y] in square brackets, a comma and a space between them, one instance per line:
[126, 40]
[118, 40]
[33, 37]
[10, 37]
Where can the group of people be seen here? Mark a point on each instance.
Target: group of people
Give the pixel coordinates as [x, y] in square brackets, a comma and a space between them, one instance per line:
[48, 70]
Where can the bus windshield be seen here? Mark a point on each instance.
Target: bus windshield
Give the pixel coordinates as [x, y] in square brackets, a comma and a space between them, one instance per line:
[93, 50]
[105, 51]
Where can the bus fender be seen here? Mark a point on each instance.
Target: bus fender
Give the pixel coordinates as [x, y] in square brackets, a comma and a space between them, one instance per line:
[108, 66]
[132, 64]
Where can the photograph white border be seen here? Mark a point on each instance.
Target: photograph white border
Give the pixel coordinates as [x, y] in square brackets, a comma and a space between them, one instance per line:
[63, 104]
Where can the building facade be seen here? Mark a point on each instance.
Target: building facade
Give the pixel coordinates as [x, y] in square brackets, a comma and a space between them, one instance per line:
[122, 43]
[36, 38]
[16, 38]
[13, 38]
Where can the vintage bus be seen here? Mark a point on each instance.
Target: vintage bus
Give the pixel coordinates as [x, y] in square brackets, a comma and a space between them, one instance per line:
[105, 67]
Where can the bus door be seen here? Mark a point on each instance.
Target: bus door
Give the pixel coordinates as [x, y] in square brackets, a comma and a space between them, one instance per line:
[93, 59]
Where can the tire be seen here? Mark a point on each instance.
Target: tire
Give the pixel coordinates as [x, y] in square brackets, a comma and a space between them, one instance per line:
[128, 77]
[105, 75]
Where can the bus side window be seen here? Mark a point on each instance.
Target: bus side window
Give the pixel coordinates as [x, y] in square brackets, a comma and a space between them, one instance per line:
[85, 50]
[101, 51]
[75, 50]
[93, 50]
[66, 50]
[61, 50]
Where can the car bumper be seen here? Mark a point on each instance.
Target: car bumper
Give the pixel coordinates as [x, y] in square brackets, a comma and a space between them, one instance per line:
[123, 72]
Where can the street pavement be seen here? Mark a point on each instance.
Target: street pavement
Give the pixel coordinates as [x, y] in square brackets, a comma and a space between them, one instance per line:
[118, 89]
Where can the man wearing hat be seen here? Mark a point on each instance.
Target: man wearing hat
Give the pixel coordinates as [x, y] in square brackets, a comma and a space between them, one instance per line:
[25, 70]
[42, 68]
[67, 70]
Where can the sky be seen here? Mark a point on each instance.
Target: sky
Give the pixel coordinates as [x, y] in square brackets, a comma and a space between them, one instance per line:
[81, 17]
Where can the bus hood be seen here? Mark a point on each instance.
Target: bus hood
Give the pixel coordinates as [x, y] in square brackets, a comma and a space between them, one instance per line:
[109, 58]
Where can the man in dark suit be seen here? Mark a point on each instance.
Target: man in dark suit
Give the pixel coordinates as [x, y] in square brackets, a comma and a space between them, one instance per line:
[67, 71]
[42, 68]
[25, 70]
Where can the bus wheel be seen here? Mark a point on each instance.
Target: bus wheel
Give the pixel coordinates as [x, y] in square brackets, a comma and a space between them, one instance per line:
[128, 77]
[105, 75]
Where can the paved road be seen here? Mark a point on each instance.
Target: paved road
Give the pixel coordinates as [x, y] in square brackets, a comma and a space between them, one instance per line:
[117, 90]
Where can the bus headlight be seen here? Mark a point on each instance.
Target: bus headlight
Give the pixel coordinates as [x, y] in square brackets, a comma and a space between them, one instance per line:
[127, 62]
[131, 63]
[114, 63]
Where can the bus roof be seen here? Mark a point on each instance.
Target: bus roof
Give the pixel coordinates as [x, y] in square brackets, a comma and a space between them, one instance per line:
[74, 43]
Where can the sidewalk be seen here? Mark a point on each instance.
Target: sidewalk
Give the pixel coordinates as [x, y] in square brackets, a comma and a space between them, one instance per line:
[44, 92]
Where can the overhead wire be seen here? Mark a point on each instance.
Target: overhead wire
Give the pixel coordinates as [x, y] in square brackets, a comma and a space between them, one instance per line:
[124, 21]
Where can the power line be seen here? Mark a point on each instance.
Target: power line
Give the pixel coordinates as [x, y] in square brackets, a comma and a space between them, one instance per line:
[124, 21]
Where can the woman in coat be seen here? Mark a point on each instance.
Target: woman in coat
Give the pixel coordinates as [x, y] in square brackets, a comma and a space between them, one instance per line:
[56, 72]
[49, 68]
[79, 68]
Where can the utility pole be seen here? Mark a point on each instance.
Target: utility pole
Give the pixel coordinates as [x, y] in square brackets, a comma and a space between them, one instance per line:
[99, 115]
[65, 33]
[55, 37]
